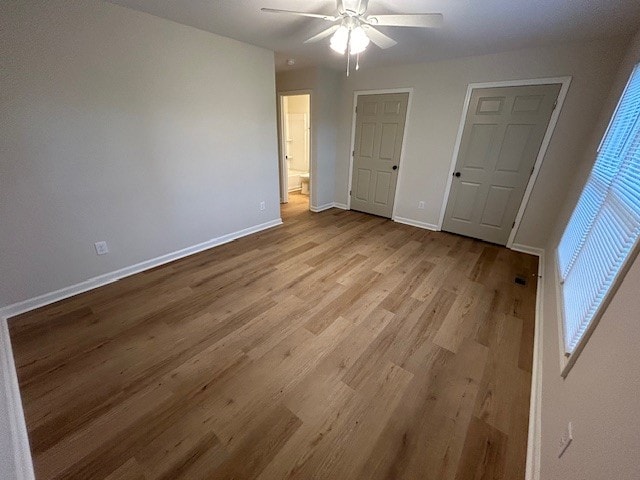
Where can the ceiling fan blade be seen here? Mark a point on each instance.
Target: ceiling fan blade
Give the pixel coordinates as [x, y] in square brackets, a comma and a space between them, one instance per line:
[329, 18]
[340, 6]
[422, 20]
[379, 38]
[322, 34]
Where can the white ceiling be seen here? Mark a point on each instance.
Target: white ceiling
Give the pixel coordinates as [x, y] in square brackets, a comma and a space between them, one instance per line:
[471, 27]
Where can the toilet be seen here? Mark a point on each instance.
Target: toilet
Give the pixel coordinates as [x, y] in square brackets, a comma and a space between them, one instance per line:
[304, 180]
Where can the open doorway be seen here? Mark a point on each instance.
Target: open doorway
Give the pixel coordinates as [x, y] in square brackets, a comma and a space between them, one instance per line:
[295, 147]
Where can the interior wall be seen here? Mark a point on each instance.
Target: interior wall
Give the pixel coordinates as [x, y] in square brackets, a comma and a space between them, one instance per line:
[325, 86]
[326, 106]
[601, 394]
[437, 104]
[124, 127]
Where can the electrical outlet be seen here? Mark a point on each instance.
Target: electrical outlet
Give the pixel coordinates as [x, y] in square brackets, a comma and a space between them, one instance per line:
[101, 248]
[262, 205]
[565, 439]
[420, 205]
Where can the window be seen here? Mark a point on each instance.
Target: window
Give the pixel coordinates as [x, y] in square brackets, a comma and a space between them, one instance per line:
[602, 234]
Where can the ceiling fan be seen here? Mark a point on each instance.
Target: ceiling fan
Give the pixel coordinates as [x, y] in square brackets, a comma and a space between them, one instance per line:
[354, 29]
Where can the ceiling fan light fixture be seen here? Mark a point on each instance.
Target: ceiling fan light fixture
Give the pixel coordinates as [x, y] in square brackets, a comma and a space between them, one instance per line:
[340, 39]
[359, 41]
[353, 29]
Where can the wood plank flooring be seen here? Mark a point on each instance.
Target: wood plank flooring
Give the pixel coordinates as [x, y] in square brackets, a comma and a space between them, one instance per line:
[337, 346]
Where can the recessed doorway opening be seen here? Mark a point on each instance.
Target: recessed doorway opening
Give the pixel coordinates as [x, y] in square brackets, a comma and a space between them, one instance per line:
[295, 146]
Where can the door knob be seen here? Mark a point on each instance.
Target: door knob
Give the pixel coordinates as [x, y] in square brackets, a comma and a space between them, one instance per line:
[395, 167]
[457, 174]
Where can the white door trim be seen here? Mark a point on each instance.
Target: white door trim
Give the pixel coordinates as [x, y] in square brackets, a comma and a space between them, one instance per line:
[356, 94]
[284, 180]
[565, 82]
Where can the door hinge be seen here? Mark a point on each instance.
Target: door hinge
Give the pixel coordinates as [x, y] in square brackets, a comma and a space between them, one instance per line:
[513, 224]
[356, 109]
[555, 104]
[532, 170]
[350, 194]
[353, 154]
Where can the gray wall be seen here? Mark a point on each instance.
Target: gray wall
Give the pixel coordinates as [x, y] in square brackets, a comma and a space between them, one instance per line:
[601, 394]
[120, 126]
[325, 98]
[439, 92]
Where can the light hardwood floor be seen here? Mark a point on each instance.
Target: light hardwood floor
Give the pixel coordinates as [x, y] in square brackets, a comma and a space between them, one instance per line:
[337, 346]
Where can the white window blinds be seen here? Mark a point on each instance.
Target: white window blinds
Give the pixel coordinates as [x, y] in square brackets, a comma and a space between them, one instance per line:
[604, 227]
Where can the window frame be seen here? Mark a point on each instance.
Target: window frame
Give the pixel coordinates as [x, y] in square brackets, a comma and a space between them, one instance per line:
[568, 360]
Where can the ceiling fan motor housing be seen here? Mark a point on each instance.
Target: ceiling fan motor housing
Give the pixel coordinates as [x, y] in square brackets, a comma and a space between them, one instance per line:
[352, 7]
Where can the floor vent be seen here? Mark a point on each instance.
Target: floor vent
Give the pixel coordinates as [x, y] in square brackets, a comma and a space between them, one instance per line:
[520, 280]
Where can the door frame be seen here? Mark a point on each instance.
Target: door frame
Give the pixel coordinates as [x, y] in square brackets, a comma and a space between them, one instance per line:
[565, 82]
[356, 94]
[282, 161]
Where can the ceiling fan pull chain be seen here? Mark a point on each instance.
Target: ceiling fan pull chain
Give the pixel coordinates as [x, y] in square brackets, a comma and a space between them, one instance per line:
[357, 62]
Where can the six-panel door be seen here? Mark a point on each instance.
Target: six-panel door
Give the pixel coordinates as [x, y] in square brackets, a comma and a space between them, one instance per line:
[380, 121]
[502, 136]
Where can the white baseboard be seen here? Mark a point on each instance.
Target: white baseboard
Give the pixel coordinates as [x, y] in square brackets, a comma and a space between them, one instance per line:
[22, 467]
[416, 223]
[95, 282]
[538, 252]
[341, 206]
[534, 439]
[321, 208]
